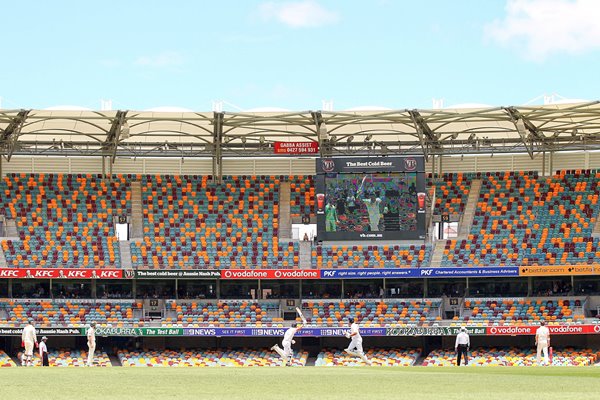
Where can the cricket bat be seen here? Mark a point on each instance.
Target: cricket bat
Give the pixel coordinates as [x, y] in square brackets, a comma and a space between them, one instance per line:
[299, 311]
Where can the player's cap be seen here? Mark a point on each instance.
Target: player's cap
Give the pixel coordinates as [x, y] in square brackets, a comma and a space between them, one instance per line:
[93, 324]
[542, 322]
[294, 325]
[351, 320]
[44, 338]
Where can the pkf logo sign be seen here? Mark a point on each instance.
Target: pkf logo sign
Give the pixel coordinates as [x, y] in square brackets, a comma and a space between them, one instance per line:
[426, 272]
[410, 164]
[328, 165]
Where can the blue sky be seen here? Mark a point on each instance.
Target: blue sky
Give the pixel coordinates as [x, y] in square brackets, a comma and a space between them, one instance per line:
[295, 54]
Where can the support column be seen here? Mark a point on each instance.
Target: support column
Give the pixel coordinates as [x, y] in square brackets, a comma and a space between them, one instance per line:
[217, 157]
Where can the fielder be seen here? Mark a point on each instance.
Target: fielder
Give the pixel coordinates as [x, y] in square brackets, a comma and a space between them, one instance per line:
[542, 340]
[28, 340]
[356, 342]
[91, 342]
[288, 339]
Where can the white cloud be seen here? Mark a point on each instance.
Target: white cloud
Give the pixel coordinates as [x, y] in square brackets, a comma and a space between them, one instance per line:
[540, 28]
[161, 60]
[298, 14]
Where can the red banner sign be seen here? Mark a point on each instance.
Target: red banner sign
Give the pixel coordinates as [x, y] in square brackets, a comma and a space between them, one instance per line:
[270, 274]
[554, 330]
[296, 148]
[64, 273]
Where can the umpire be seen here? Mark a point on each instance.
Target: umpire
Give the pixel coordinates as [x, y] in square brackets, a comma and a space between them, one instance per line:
[44, 352]
[462, 346]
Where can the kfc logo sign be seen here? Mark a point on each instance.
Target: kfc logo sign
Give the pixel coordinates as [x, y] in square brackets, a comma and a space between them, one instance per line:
[61, 273]
[109, 274]
[9, 273]
[328, 165]
[410, 164]
[73, 273]
[40, 273]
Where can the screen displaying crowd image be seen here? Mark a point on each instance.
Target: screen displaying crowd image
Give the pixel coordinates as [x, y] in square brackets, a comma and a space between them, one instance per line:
[370, 202]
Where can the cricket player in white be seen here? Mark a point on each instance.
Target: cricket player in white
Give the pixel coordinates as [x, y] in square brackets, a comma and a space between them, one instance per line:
[29, 339]
[91, 342]
[356, 342]
[372, 205]
[542, 340]
[288, 339]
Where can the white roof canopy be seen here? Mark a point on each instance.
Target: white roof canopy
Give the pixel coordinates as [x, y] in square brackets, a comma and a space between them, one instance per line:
[550, 128]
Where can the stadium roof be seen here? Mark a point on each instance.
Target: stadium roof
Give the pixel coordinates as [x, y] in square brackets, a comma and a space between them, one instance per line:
[158, 133]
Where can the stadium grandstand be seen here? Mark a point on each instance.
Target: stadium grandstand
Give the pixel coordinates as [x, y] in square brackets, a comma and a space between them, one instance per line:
[190, 238]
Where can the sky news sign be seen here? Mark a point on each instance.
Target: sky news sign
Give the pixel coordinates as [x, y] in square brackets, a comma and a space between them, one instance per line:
[378, 273]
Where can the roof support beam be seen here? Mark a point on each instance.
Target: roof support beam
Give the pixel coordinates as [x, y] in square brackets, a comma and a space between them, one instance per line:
[325, 143]
[10, 135]
[526, 129]
[113, 136]
[427, 137]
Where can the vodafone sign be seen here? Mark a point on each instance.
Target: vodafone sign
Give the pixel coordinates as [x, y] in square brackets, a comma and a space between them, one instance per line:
[270, 274]
[554, 330]
[61, 273]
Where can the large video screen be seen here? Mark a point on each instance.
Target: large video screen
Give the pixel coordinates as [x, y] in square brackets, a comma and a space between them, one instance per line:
[370, 198]
[375, 202]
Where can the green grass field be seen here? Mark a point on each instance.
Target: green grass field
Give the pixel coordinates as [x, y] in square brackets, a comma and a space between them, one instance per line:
[412, 383]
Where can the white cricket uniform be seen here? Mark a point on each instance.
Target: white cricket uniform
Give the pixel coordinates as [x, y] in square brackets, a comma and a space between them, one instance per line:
[462, 338]
[542, 337]
[288, 336]
[29, 338]
[356, 342]
[43, 349]
[374, 213]
[91, 342]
